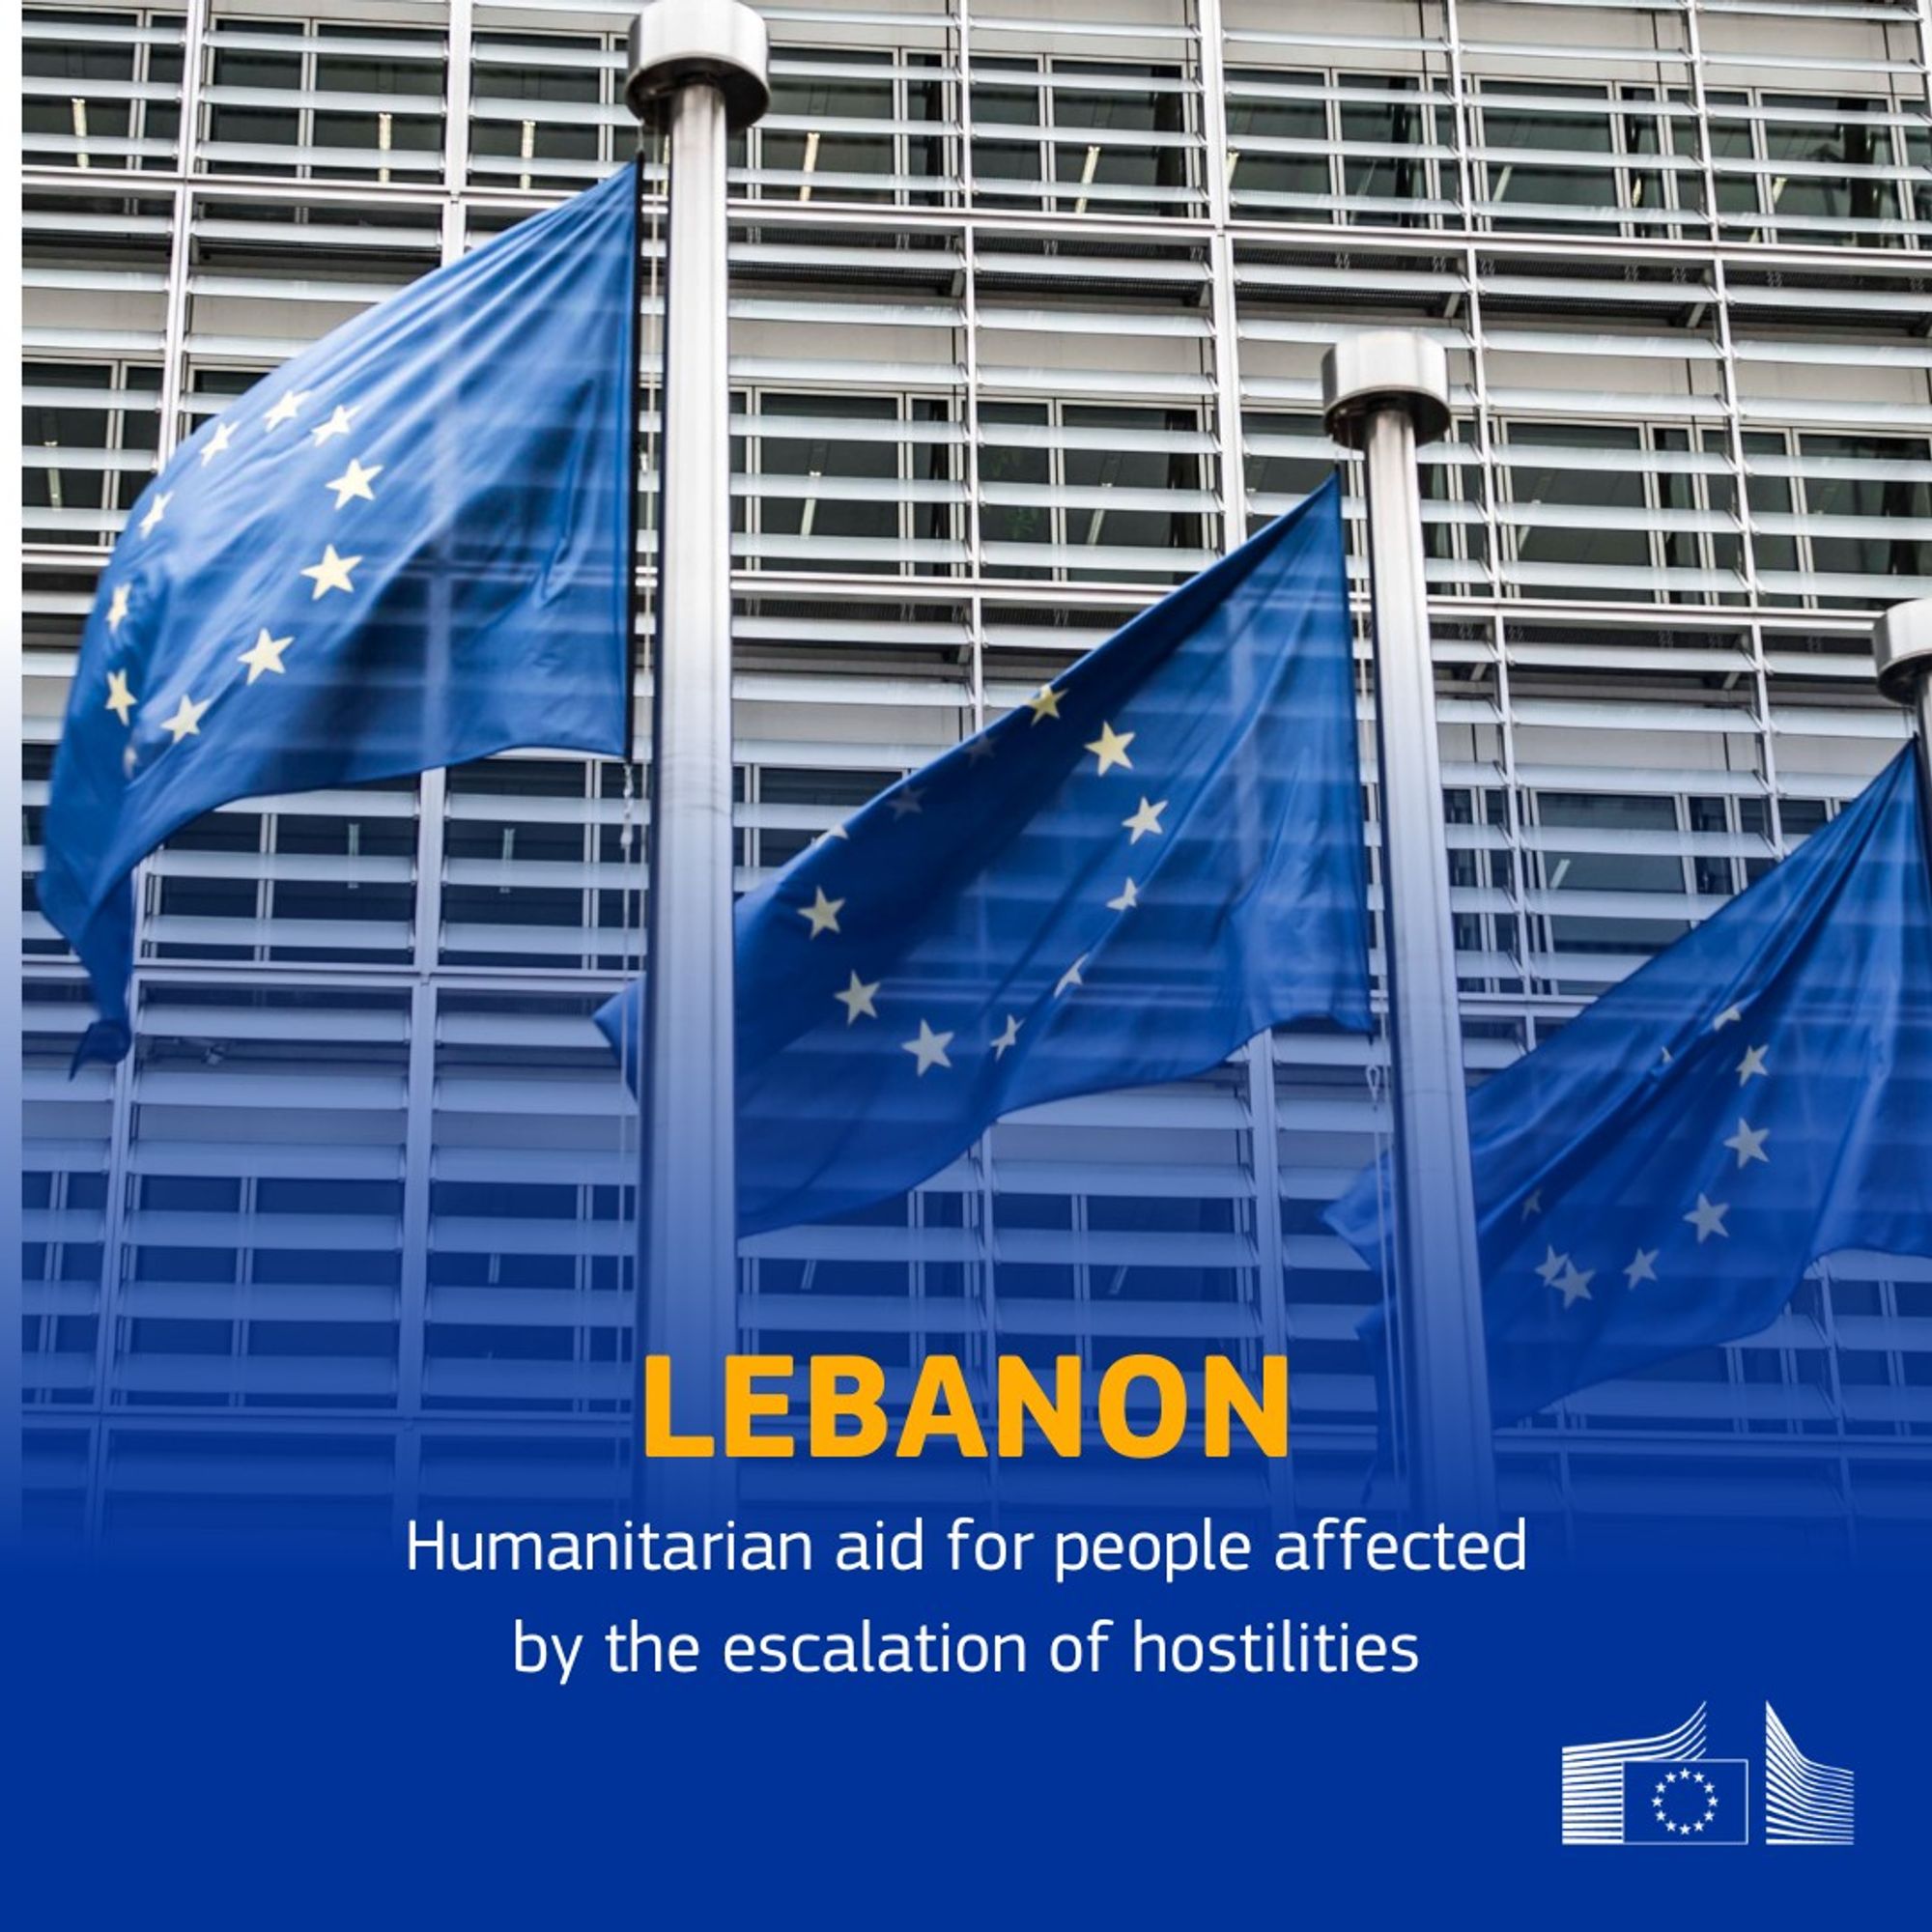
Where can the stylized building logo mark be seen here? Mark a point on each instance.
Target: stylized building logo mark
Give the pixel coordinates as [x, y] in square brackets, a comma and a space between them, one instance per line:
[1593, 1778]
[1805, 1804]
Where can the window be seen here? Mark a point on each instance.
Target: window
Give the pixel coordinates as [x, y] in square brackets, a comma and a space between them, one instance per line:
[1583, 160]
[1606, 510]
[542, 114]
[1570, 494]
[89, 433]
[1319, 145]
[1840, 519]
[529, 877]
[1086, 478]
[302, 887]
[1624, 844]
[338, 104]
[102, 89]
[852, 124]
[1810, 169]
[1078, 137]
[840, 482]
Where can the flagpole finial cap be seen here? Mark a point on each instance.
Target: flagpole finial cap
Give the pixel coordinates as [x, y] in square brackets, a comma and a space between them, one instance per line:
[1902, 649]
[674, 42]
[1379, 369]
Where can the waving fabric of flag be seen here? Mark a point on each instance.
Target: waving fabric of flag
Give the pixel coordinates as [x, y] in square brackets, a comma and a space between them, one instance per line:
[1659, 1175]
[1151, 860]
[409, 546]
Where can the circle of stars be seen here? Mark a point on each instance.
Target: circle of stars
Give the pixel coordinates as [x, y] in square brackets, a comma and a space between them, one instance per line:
[930, 1048]
[1708, 1218]
[1685, 1775]
[264, 658]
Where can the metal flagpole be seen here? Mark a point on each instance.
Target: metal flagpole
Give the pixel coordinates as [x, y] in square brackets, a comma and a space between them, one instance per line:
[698, 69]
[1902, 652]
[1383, 393]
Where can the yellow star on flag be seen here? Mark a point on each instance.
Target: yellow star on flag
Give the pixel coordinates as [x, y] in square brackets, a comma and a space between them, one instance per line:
[155, 511]
[928, 1048]
[264, 654]
[186, 721]
[822, 913]
[354, 481]
[1129, 898]
[120, 699]
[287, 410]
[1145, 820]
[1642, 1267]
[856, 998]
[1708, 1218]
[1045, 703]
[1008, 1037]
[332, 572]
[337, 425]
[1574, 1283]
[1109, 748]
[224, 435]
[117, 609]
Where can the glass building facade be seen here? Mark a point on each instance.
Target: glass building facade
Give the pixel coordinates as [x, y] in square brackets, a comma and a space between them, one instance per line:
[1028, 312]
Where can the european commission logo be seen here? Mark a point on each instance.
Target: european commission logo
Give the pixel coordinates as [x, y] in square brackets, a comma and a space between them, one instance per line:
[1668, 1790]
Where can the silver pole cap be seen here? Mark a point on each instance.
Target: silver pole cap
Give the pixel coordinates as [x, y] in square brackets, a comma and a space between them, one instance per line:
[1902, 649]
[674, 42]
[1384, 368]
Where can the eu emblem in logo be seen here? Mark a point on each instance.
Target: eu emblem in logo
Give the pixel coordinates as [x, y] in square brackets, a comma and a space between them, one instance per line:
[1699, 1801]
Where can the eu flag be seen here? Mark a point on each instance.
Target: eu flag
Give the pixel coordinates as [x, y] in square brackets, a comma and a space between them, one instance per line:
[409, 546]
[1703, 1801]
[1658, 1176]
[1151, 860]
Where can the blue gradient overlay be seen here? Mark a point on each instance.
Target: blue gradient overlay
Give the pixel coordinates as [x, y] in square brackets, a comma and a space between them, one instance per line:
[232, 1704]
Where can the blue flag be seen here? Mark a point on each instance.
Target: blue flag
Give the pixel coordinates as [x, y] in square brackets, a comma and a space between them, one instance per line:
[1703, 1801]
[1658, 1176]
[409, 546]
[1152, 859]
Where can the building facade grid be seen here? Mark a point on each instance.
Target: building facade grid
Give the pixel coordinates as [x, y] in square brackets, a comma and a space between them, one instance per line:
[1027, 316]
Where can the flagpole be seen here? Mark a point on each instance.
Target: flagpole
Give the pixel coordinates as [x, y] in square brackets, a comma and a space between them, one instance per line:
[1903, 655]
[1383, 393]
[699, 69]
